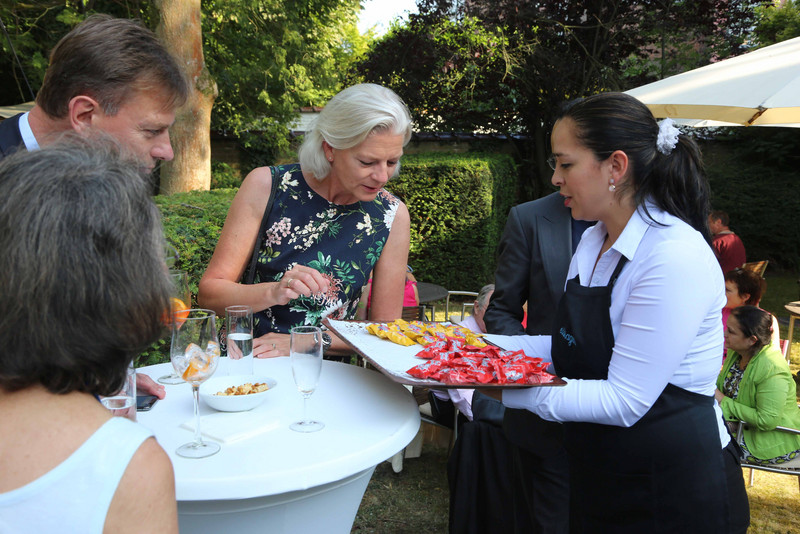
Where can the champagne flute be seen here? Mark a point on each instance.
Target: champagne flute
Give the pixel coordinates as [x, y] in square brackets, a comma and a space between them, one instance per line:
[181, 300]
[195, 354]
[171, 255]
[305, 351]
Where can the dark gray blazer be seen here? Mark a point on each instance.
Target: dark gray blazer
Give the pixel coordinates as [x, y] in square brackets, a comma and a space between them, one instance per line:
[534, 256]
[10, 138]
[532, 264]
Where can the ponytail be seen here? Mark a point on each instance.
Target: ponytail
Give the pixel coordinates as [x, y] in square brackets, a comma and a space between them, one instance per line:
[672, 178]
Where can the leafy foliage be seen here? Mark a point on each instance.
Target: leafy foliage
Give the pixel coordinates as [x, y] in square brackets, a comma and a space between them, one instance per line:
[271, 57]
[758, 188]
[458, 207]
[452, 73]
[777, 22]
[192, 223]
[268, 57]
[34, 27]
[224, 176]
[546, 52]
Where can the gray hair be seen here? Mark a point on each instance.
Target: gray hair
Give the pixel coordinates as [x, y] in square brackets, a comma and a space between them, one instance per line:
[482, 300]
[348, 119]
[84, 283]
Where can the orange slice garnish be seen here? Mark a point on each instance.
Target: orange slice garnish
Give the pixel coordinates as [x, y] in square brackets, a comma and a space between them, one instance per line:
[178, 309]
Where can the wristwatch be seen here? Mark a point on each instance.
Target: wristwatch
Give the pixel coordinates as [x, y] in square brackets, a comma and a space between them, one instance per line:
[326, 342]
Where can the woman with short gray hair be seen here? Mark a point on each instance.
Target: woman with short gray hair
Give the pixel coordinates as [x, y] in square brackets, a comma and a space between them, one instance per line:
[83, 291]
[304, 237]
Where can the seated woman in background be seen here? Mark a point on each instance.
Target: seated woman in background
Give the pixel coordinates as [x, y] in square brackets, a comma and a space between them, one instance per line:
[743, 287]
[330, 225]
[83, 292]
[756, 386]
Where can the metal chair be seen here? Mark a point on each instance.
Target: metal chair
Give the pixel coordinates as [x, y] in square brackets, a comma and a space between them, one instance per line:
[413, 313]
[464, 305]
[792, 469]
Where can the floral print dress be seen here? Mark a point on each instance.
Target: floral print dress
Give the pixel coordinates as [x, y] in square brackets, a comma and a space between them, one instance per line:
[341, 242]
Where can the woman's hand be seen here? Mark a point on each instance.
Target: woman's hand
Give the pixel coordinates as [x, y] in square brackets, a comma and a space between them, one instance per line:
[271, 345]
[146, 386]
[297, 281]
[718, 396]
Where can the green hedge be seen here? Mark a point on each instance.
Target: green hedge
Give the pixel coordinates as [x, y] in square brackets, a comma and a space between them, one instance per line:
[192, 223]
[760, 192]
[458, 206]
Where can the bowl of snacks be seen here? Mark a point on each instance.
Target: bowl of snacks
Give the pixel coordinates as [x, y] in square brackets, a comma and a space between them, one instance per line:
[236, 393]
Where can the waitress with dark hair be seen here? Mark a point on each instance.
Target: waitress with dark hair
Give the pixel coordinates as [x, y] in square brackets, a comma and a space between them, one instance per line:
[637, 334]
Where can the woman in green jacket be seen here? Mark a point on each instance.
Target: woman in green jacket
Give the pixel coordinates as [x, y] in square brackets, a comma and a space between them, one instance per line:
[756, 386]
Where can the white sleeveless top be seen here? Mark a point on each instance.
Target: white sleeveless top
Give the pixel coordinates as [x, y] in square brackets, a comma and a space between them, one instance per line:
[74, 496]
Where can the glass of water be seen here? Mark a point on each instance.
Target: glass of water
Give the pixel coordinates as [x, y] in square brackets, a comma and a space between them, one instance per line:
[305, 351]
[124, 402]
[239, 326]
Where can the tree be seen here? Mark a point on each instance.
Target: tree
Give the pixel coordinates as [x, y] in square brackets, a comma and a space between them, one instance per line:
[454, 74]
[179, 29]
[562, 50]
[271, 57]
[268, 58]
[35, 29]
[777, 22]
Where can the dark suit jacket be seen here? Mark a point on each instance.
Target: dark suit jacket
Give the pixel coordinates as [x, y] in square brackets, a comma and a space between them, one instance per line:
[10, 138]
[532, 265]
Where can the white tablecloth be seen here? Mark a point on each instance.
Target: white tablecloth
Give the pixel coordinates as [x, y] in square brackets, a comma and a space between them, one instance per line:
[367, 420]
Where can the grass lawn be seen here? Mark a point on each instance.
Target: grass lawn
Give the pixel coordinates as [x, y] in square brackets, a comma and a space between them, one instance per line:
[416, 499]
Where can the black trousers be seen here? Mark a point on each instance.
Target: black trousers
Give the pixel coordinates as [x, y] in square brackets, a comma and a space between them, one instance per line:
[540, 473]
[541, 492]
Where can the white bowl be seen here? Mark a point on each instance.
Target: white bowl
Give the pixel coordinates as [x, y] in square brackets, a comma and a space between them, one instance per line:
[234, 403]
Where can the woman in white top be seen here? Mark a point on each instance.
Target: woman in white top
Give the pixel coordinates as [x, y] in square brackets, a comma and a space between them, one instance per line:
[637, 334]
[83, 290]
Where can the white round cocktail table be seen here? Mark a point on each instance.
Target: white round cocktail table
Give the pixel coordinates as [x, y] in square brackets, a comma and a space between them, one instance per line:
[269, 478]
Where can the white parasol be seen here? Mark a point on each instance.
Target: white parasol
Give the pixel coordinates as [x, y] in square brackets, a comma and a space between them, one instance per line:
[760, 88]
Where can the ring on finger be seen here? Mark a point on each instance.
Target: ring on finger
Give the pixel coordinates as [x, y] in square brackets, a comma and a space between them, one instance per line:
[289, 282]
[273, 346]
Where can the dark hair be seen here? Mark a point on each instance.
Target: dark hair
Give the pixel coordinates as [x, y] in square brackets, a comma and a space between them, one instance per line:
[109, 59]
[84, 283]
[721, 216]
[756, 322]
[747, 282]
[675, 182]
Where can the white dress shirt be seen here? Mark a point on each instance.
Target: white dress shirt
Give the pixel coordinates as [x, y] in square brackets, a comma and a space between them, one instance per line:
[666, 316]
[25, 131]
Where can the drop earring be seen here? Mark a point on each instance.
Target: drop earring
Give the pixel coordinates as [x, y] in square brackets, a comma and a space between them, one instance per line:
[611, 186]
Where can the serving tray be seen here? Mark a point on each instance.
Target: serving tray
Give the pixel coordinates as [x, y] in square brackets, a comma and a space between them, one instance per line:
[395, 360]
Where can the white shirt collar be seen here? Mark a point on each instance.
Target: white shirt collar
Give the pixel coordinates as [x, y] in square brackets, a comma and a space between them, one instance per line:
[25, 131]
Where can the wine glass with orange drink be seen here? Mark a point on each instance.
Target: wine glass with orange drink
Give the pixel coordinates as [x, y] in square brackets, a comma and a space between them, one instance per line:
[194, 353]
[181, 300]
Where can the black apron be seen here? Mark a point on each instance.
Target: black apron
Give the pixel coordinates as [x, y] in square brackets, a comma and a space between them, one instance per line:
[664, 473]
